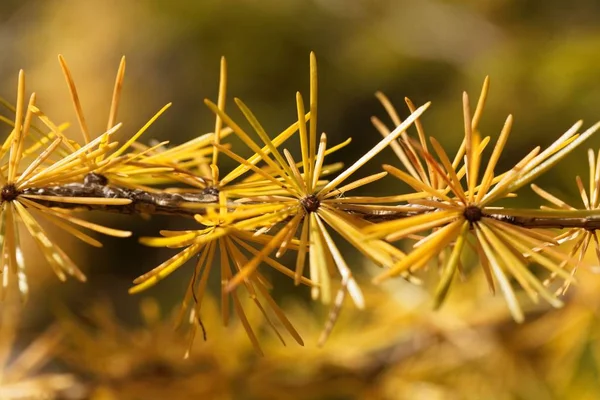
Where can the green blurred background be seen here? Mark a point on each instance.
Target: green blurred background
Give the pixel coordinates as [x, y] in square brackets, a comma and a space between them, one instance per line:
[541, 57]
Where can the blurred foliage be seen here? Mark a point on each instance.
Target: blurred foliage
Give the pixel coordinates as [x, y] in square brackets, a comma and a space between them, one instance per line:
[541, 57]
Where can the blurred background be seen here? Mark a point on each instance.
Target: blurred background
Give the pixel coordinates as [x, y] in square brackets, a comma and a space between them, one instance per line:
[541, 57]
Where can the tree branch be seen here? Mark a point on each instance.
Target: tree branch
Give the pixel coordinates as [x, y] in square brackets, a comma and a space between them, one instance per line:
[187, 204]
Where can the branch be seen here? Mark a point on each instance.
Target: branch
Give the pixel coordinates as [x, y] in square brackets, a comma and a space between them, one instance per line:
[187, 204]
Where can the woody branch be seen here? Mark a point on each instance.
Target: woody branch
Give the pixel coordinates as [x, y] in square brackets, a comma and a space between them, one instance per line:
[187, 204]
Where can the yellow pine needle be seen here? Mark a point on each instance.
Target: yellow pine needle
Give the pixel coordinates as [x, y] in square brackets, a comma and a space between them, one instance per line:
[545, 237]
[54, 255]
[422, 140]
[362, 208]
[463, 170]
[418, 185]
[396, 147]
[165, 232]
[17, 134]
[566, 258]
[7, 143]
[498, 273]
[248, 141]
[424, 239]
[8, 245]
[356, 184]
[488, 175]
[206, 259]
[258, 192]
[66, 161]
[388, 227]
[344, 270]
[55, 129]
[240, 312]
[306, 164]
[42, 140]
[114, 104]
[597, 245]
[20, 143]
[405, 159]
[256, 183]
[284, 246]
[450, 267]
[552, 160]
[318, 163]
[389, 108]
[480, 104]
[225, 277]
[251, 266]
[281, 164]
[312, 129]
[302, 250]
[76, 171]
[517, 268]
[333, 315]
[566, 138]
[418, 125]
[335, 148]
[255, 283]
[238, 259]
[457, 187]
[218, 121]
[433, 204]
[116, 97]
[382, 199]
[501, 188]
[268, 260]
[318, 262]
[543, 261]
[277, 141]
[295, 173]
[473, 171]
[241, 213]
[409, 230]
[468, 141]
[77, 221]
[390, 252]
[12, 237]
[510, 233]
[525, 212]
[420, 256]
[584, 196]
[19, 261]
[281, 316]
[157, 274]
[596, 183]
[374, 151]
[286, 210]
[591, 172]
[188, 150]
[139, 133]
[437, 169]
[146, 171]
[485, 265]
[73, 231]
[79, 200]
[168, 241]
[408, 159]
[75, 99]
